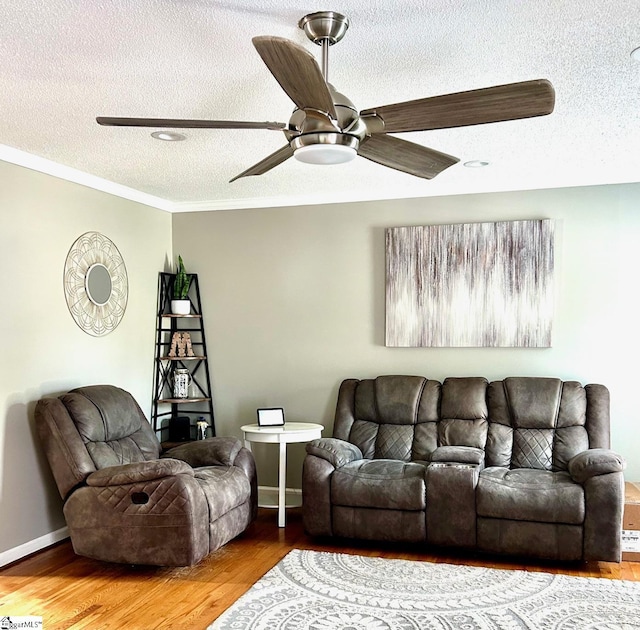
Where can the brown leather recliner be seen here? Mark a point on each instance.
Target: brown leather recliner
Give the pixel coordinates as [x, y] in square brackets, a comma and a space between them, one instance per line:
[519, 466]
[123, 500]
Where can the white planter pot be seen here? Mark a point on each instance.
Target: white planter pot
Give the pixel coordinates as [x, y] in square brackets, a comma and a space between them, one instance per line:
[181, 307]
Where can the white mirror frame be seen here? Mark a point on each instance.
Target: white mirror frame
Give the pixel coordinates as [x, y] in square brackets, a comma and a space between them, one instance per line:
[90, 251]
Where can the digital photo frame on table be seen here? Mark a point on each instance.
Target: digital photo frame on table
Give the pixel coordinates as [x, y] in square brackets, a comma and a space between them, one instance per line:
[271, 417]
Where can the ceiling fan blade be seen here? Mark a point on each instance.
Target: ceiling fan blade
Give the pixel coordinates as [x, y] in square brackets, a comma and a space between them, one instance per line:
[267, 164]
[187, 124]
[297, 72]
[405, 156]
[475, 107]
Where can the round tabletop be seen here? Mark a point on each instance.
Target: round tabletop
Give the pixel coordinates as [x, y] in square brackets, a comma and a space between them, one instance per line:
[288, 432]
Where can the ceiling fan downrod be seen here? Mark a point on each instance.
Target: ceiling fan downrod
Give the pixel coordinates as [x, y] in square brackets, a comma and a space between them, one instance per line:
[324, 28]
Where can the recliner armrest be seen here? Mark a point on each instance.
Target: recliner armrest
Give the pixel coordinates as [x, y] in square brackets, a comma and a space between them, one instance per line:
[336, 452]
[595, 461]
[216, 451]
[137, 472]
[458, 455]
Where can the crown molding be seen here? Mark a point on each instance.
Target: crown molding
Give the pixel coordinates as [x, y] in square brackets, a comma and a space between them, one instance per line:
[49, 167]
[281, 202]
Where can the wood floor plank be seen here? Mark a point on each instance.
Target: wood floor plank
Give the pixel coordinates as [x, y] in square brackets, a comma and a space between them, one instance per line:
[75, 593]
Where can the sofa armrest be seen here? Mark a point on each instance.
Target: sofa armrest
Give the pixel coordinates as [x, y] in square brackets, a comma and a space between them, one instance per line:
[216, 451]
[458, 455]
[137, 472]
[336, 452]
[595, 461]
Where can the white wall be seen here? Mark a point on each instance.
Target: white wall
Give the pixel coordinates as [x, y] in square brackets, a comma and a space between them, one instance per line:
[294, 302]
[45, 352]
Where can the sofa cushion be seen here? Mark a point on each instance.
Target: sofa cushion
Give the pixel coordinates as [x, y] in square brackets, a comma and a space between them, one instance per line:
[532, 448]
[394, 442]
[390, 417]
[397, 398]
[536, 423]
[380, 483]
[529, 495]
[463, 412]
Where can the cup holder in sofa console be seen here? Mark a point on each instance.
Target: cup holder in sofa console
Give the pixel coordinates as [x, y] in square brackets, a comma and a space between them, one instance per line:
[452, 465]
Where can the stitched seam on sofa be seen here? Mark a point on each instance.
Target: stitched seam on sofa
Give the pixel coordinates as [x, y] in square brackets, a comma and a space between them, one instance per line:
[329, 481]
[509, 407]
[119, 497]
[396, 437]
[534, 448]
[375, 406]
[412, 446]
[104, 424]
[415, 418]
[560, 395]
[510, 412]
[528, 520]
[555, 429]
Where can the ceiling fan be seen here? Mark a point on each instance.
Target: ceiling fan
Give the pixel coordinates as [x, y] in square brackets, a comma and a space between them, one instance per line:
[326, 128]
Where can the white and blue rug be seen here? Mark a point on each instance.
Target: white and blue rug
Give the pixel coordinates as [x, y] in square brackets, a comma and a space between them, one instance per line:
[310, 590]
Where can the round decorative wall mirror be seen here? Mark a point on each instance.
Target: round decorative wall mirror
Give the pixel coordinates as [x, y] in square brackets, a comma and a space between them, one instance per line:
[95, 284]
[98, 284]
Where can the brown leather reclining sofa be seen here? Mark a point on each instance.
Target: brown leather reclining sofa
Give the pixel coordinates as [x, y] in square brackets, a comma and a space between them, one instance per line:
[519, 466]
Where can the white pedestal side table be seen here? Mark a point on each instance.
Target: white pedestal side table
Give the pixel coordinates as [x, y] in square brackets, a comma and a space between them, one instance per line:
[289, 433]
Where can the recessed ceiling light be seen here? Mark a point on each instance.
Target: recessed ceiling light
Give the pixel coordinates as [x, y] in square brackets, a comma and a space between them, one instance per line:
[635, 54]
[476, 164]
[168, 136]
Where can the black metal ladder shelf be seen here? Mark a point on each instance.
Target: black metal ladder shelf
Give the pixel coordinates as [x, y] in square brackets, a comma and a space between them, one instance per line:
[199, 403]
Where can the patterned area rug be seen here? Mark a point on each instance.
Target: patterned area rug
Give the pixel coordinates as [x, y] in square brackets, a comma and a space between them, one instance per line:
[310, 590]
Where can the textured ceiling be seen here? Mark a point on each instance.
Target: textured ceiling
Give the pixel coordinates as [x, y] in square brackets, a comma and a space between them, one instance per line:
[64, 62]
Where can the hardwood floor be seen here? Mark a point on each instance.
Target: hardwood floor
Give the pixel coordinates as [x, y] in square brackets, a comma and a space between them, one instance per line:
[71, 592]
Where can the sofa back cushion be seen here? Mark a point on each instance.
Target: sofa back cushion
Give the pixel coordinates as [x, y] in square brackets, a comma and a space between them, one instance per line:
[91, 428]
[408, 417]
[520, 422]
[539, 423]
[463, 412]
[111, 425]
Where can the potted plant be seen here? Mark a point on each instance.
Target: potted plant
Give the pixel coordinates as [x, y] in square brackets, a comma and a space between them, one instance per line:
[181, 304]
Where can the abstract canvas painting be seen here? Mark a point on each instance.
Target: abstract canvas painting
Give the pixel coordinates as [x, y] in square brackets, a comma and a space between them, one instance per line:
[470, 285]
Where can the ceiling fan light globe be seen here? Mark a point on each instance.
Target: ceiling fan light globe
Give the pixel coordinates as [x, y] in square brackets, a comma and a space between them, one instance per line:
[325, 154]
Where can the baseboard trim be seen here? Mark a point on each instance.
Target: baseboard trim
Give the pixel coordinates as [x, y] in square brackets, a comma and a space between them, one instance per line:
[31, 546]
[274, 489]
[268, 497]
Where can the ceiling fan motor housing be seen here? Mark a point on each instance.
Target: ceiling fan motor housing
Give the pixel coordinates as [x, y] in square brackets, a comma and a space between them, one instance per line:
[307, 127]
